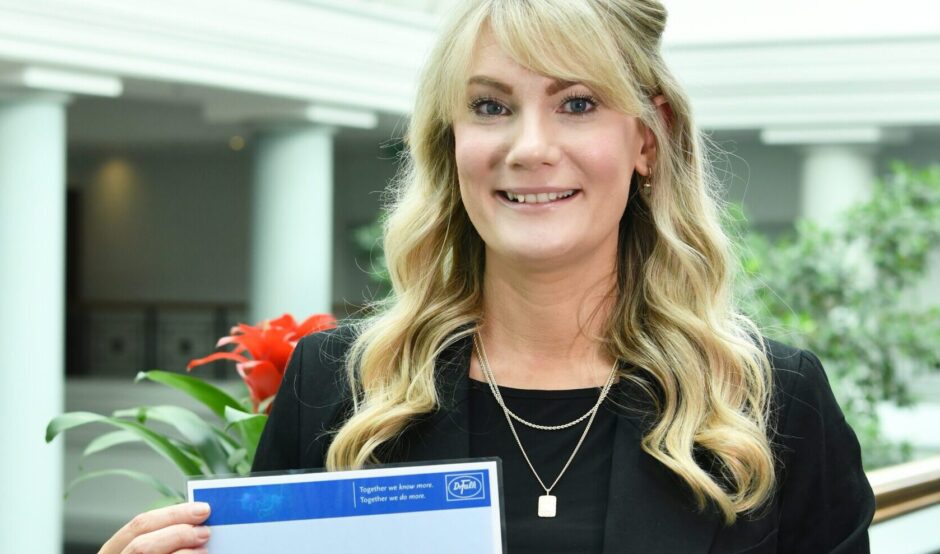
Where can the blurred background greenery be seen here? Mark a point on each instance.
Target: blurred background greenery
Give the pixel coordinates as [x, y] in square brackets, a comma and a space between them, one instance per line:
[847, 292]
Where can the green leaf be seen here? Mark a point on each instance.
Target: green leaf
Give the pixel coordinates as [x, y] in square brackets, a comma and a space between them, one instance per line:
[193, 428]
[250, 426]
[108, 440]
[243, 468]
[265, 404]
[67, 421]
[156, 441]
[188, 449]
[228, 443]
[159, 486]
[237, 457]
[213, 397]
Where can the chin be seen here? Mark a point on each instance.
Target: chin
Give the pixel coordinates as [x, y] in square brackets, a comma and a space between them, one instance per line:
[542, 256]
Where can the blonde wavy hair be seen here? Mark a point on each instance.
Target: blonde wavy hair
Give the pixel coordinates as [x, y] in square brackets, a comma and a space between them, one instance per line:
[702, 363]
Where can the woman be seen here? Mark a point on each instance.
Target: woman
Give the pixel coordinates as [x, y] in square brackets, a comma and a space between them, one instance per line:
[562, 301]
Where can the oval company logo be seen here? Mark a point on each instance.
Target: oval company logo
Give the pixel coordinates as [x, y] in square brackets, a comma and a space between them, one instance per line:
[464, 486]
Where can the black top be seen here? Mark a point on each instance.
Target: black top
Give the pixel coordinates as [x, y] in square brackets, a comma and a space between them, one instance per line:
[582, 491]
[822, 502]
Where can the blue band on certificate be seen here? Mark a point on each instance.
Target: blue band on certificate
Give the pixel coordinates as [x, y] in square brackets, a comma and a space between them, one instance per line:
[391, 494]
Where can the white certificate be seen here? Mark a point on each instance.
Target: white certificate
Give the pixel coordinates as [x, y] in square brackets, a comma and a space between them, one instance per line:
[434, 508]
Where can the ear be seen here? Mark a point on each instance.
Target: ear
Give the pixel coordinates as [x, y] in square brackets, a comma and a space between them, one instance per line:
[647, 157]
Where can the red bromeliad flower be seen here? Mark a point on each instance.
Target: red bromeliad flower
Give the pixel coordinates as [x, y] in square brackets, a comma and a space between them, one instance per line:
[270, 345]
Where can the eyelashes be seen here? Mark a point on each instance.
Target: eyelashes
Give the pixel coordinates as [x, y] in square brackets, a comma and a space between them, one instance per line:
[582, 98]
[475, 104]
[486, 101]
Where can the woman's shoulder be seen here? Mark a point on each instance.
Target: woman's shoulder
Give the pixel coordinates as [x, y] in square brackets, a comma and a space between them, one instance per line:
[798, 376]
[330, 346]
[318, 364]
[826, 502]
[786, 360]
[314, 397]
[802, 397]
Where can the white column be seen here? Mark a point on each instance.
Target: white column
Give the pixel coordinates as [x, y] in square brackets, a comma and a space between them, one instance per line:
[292, 226]
[32, 319]
[834, 178]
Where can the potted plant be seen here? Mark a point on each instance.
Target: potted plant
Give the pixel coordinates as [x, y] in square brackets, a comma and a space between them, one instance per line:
[198, 447]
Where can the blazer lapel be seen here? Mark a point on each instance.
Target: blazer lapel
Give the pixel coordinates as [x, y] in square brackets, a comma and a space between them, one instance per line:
[649, 509]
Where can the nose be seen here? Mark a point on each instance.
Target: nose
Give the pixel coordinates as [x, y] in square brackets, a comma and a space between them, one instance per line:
[534, 143]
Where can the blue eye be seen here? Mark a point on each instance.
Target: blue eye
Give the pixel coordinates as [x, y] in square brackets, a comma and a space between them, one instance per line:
[486, 107]
[580, 104]
[492, 108]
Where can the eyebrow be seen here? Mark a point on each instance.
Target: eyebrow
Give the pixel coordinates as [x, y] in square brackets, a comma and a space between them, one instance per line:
[555, 87]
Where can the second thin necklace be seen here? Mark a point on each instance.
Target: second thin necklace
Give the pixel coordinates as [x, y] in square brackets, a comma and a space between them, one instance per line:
[547, 503]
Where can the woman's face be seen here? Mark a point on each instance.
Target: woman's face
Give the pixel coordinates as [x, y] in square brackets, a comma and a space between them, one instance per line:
[544, 167]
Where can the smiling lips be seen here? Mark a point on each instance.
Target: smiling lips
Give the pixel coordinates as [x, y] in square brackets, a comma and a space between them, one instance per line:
[539, 198]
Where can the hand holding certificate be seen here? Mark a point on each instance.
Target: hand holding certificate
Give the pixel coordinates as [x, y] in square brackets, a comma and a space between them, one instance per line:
[453, 507]
[169, 529]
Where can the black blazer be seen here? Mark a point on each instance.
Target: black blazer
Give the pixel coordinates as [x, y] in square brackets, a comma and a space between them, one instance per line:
[823, 501]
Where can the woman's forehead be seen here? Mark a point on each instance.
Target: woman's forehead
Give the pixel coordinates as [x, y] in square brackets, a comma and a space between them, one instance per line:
[491, 64]
[485, 50]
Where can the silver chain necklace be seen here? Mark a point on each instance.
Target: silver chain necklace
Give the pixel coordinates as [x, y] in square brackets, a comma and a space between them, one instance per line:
[547, 503]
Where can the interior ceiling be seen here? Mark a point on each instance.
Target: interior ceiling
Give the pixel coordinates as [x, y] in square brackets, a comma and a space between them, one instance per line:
[151, 114]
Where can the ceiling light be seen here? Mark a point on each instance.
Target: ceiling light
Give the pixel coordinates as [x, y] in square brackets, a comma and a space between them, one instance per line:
[69, 81]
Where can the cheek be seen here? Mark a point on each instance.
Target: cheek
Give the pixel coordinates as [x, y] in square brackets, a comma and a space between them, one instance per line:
[473, 154]
[609, 162]
[471, 172]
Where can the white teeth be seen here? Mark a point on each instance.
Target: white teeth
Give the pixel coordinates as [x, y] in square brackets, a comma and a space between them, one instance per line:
[539, 198]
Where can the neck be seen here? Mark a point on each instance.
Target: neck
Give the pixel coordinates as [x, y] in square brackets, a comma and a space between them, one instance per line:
[542, 330]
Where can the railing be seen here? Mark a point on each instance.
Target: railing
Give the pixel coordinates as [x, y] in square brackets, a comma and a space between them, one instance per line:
[905, 488]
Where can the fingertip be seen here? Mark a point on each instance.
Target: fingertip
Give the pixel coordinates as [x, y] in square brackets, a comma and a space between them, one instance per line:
[202, 533]
[200, 509]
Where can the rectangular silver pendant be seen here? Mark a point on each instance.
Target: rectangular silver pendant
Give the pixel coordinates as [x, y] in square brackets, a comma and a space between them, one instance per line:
[547, 504]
